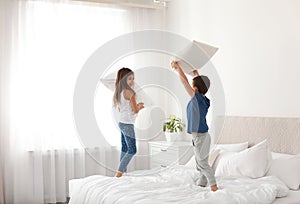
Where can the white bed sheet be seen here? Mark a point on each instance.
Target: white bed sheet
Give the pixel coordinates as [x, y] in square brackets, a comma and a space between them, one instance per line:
[173, 185]
[293, 197]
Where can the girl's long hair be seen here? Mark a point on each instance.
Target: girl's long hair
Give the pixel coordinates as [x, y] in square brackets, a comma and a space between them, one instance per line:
[121, 84]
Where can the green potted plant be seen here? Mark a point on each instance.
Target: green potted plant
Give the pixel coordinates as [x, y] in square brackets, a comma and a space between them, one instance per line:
[173, 128]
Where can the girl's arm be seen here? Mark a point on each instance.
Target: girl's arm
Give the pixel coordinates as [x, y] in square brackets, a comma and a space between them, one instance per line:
[183, 79]
[131, 96]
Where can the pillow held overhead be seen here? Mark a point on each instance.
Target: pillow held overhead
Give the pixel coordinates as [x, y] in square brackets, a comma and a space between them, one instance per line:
[190, 59]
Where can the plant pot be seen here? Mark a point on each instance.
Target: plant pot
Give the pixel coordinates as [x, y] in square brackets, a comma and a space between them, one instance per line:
[173, 136]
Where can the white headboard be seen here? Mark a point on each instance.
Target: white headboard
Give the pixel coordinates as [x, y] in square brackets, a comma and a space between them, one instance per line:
[283, 134]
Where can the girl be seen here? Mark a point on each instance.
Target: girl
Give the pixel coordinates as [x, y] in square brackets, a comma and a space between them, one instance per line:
[124, 98]
[196, 114]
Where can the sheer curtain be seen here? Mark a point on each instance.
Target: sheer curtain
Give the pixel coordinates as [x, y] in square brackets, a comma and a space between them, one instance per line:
[43, 46]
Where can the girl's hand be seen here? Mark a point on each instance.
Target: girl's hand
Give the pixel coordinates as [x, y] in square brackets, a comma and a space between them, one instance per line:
[140, 106]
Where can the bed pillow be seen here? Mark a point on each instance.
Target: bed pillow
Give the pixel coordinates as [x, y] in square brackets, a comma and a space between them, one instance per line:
[213, 156]
[191, 163]
[276, 155]
[222, 157]
[252, 162]
[227, 150]
[217, 153]
[232, 147]
[286, 167]
[211, 159]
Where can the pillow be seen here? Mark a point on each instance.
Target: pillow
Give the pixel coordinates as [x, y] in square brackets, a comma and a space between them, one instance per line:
[222, 157]
[213, 156]
[219, 152]
[109, 81]
[232, 147]
[286, 167]
[276, 155]
[187, 56]
[211, 159]
[191, 163]
[141, 96]
[252, 162]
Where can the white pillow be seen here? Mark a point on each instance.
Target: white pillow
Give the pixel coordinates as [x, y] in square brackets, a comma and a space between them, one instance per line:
[223, 157]
[287, 168]
[191, 55]
[215, 157]
[276, 155]
[109, 81]
[191, 163]
[252, 162]
[227, 150]
[211, 159]
[141, 96]
[232, 147]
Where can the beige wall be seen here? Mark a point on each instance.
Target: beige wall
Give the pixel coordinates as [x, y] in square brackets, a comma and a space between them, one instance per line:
[258, 60]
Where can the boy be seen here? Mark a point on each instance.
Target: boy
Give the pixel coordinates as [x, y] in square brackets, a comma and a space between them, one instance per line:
[196, 114]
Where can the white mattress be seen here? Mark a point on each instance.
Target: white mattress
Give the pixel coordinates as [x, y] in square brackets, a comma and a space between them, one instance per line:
[293, 197]
[173, 185]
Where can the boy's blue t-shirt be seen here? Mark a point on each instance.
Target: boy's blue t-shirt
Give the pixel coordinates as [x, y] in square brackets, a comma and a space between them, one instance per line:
[196, 113]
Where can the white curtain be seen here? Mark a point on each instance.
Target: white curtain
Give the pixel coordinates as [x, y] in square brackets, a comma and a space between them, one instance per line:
[43, 46]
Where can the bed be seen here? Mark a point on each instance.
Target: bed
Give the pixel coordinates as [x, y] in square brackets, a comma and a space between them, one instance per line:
[177, 184]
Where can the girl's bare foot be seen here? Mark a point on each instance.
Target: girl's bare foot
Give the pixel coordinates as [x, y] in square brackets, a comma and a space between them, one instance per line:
[214, 188]
[119, 174]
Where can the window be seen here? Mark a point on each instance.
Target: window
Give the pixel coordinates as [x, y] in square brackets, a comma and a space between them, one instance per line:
[56, 39]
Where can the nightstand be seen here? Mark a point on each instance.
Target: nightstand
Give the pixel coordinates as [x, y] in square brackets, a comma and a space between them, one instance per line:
[164, 154]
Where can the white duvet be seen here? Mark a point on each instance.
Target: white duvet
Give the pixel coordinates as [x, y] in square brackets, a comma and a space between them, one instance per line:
[173, 185]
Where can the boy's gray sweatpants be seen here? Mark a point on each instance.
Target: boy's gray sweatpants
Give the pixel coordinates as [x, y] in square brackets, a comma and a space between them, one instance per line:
[201, 143]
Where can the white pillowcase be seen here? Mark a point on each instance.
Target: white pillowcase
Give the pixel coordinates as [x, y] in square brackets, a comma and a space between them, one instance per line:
[214, 154]
[191, 163]
[227, 150]
[141, 96]
[276, 155]
[191, 54]
[211, 159]
[223, 157]
[232, 147]
[287, 168]
[252, 162]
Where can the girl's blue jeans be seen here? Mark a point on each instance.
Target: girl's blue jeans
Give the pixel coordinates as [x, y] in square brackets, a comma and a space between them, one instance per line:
[128, 145]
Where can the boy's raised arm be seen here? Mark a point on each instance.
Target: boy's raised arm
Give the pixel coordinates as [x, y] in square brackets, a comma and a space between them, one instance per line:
[183, 79]
[195, 72]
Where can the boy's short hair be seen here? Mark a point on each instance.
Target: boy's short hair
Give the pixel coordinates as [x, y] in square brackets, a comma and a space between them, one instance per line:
[202, 83]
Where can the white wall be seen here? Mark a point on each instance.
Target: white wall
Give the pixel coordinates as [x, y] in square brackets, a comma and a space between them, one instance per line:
[258, 60]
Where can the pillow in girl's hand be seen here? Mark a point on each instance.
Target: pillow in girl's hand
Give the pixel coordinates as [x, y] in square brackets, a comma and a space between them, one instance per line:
[252, 162]
[109, 81]
[141, 96]
[194, 56]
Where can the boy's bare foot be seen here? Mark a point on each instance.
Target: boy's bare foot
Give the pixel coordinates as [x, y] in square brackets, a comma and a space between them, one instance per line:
[119, 174]
[214, 188]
